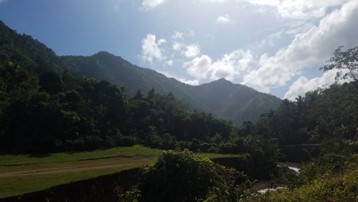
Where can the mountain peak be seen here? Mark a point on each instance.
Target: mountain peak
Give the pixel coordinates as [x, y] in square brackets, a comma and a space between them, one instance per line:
[223, 80]
[103, 54]
[220, 82]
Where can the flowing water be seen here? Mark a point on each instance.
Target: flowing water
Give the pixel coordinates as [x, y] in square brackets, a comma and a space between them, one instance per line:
[264, 187]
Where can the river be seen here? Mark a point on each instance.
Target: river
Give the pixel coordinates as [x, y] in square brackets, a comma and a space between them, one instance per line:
[267, 186]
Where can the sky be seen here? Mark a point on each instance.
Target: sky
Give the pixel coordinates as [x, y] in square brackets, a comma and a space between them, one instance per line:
[273, 46]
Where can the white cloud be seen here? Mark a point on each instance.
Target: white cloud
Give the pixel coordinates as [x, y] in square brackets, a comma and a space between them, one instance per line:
[297, 27]
[269, 41]
[307, 50]
[223, 19]
[199, 67]
[151, 49]
[189, 51]
[177, 46]
[177, 35]
[299, 9]
[150, 4]
[169, 62]
[2, 1]
[228, 67]
[192, 51]
[231, 65]
[193, 82]
[265, 2]
[211, 1]
[302, 85]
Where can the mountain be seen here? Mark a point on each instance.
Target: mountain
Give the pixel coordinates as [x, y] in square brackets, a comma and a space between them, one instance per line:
[46, 108]
[222, 98]
[106, 66]
[23, 49]
[234, 101]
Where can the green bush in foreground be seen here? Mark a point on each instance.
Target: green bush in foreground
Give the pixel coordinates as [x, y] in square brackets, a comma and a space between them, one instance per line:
[183, 176]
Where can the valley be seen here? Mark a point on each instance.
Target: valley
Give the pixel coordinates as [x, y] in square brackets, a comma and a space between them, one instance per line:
[91, 123]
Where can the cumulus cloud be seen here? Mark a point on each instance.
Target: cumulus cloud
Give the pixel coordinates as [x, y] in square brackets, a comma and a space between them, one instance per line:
[150, 4]
[199, 67]
[193, 82]
[151, 48]
[231, 65]
[303, 85]
[299, 9]
[189, 51]
[223, 19]
[192, 50]
[177, 46]
[307, 50]
[228, 67]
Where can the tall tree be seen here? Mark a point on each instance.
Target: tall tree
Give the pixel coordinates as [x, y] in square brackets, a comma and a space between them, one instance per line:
[344, 60]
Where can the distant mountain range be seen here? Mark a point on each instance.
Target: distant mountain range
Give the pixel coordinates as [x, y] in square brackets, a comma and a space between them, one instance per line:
[222, 98]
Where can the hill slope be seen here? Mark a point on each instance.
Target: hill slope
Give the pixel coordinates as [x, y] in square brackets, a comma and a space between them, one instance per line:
[222, 98]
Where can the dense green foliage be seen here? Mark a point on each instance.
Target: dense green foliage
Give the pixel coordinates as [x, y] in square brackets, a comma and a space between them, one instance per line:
[327, 117]
[46, 108]
[183, 176]
[320, 180]
[60, 111]
[320, 115]
[222, 98]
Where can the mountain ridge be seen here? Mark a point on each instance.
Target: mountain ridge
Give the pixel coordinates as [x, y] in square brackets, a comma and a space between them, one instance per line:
[222, 98]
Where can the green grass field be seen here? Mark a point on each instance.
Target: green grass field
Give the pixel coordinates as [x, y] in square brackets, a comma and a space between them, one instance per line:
[21, 174]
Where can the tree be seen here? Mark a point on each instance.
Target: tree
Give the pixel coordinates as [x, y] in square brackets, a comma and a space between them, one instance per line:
[51, 82]
[183, 176]
[344, 60]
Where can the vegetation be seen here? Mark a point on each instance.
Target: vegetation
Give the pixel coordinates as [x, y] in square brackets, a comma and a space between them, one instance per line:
[327, 185]
[184, 176]
[222, 98]
[327, 117]
[21, 174]
[45, 108]
[28, 173]
[320, 115]
[344, 61]
[58, 111]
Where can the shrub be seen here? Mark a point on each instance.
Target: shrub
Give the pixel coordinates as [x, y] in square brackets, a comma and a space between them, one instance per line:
[183, 176]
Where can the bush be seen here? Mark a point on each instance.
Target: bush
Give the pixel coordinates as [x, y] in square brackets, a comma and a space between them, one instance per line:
[183, 176]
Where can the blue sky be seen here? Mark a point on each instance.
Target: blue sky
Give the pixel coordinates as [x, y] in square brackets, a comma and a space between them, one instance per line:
[273, 46]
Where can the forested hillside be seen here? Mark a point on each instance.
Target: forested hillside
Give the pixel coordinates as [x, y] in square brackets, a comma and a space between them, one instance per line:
[222, 98]
[44, 107]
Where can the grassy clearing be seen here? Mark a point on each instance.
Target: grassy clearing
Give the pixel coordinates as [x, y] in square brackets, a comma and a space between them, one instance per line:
[14, 160]
[215, 155]
[21, 174]
[12, 186]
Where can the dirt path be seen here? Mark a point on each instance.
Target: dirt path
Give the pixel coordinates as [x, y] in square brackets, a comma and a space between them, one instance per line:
[82, 166]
